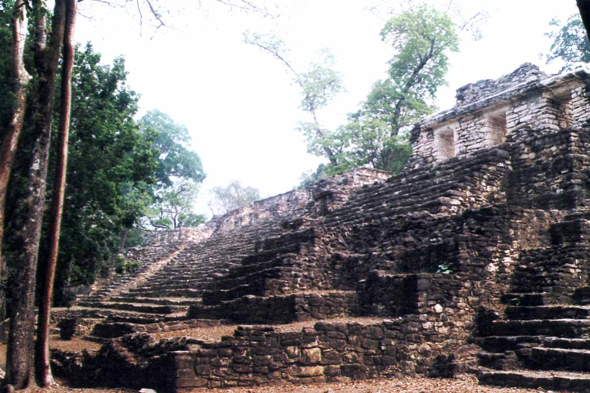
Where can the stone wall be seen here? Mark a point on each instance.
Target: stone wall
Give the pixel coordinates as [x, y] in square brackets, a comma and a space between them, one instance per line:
[473, 92]
[180, 235]
[281, 309]
[330, 352]
[487, 111]
[550, 170]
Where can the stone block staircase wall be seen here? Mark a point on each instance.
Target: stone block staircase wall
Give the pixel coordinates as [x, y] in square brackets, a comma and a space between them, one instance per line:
[541, 336]
[427, 249]
[162, 297]
[151, 259]
[284, 268]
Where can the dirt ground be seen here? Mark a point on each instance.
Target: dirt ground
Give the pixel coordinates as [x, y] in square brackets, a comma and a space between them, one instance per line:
[460, 384]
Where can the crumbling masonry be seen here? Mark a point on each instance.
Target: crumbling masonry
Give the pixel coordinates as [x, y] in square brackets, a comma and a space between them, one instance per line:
[475, 258]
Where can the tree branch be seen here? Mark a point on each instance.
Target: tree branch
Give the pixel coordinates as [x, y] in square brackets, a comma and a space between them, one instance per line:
[156, 15]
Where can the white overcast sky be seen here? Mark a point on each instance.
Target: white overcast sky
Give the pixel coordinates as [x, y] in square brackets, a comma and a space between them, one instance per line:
[240, 104]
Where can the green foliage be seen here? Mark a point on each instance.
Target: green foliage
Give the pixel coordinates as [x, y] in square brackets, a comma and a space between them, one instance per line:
[178, 174]
[173, 143]
[570, 42]
[124, 266]
[421, 39]
[367, 142]
[374, 135]
[234, 196]
[111, 167]
[309, 177]
[444, 269]
[319, 85]
[173, 206]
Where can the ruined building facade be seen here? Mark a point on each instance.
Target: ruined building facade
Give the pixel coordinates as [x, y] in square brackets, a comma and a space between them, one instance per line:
[471, 257]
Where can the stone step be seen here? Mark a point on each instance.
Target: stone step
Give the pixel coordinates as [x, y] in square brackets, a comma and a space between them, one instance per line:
[144, 308]
[129, 298]
[506, 343]
[262, 287]
[547, 312]
[541, 327]
[193, 284]
[560, 359]
[294, 269]
[529, 379]
[244, 270]
[318, 305]
[499, 361]
[532, 299]
[581, 296]
[188, 274]
[267, 255]
[566, 343]
[160, 293]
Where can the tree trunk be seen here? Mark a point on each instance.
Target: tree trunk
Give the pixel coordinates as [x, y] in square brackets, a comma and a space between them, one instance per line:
[20, 79]
[123, 240]
[19, 362]
[42, 351]
[584, 7]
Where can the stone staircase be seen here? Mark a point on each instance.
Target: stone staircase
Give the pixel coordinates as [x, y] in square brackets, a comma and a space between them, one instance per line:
[538, 346]
[543, 339]
[449, 188]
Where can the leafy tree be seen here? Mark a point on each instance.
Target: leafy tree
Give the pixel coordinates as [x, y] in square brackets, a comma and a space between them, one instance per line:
[570, 42]
[420, 37]
[174, 205]
[234, 196]
[38, 93]
[111, 167]
[48, 40]
[176, 160]
[111, 172]
[319, 85]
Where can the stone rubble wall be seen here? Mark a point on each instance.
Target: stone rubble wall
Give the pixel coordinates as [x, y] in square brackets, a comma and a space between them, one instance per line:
[330, 352]
[473, 92]
[490, 114]
[180, 235]
[545, 111]
[281, 309]
[551, 170]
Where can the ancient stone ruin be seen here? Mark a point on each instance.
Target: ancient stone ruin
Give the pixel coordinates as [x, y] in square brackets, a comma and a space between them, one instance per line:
[476, 258]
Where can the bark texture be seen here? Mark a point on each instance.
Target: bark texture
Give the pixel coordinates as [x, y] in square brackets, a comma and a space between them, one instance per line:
[19, 362]
[20, 79]
[584, 7]
[42, 351]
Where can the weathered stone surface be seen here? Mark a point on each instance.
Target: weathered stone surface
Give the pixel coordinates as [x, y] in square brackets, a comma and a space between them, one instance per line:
[484, 246]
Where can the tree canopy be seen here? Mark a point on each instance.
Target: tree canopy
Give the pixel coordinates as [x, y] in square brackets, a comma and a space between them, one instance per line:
[233, 196]
[175, 160]
[373, 136]
[570, 42]
[421, 39]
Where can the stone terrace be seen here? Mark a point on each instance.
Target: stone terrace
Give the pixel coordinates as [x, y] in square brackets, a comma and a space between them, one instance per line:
[475, 258]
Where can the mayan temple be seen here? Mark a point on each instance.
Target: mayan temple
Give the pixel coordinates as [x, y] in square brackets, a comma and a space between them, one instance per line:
[476, 258]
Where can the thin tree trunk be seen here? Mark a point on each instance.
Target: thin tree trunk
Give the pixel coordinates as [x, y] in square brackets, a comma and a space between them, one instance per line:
[584, 7]
[19, 362]
[123, 240]
[20, 79]
[43, 358]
